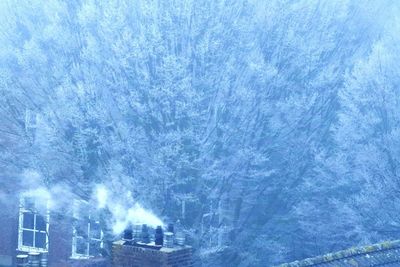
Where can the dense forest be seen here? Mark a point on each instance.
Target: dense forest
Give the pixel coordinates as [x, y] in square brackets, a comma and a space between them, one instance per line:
[270, 129]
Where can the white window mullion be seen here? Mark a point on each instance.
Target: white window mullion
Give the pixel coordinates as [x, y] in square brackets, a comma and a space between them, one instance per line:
[21, 223]
[73, 242]
[34, 230]
[101, 239]
[88, 238]
[47, 225]
[23, 212]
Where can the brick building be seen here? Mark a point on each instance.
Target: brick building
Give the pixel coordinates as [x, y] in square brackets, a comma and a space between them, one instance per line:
[68, 239]
[126, 254]
[77, 237]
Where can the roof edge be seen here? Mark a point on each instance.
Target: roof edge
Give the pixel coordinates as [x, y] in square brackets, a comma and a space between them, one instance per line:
[344, 254]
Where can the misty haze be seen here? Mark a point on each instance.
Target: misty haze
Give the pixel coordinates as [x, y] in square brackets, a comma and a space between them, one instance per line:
[201, 133]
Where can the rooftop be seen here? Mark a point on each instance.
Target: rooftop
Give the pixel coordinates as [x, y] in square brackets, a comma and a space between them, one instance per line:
[152, 246]
[150, 255]
[381, 254]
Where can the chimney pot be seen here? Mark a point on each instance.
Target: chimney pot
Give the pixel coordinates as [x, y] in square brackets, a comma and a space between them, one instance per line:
[128, 233]
[159, 236]
[170, 228]
[22, 260]
[145, 234]
[34, 259]
[169, 240]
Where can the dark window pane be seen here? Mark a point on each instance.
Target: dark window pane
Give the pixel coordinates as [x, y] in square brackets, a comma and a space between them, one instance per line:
[81, 246]
[94, 248]
[95, 230]
[82, 229]
[28, 218]
[27, 238]
[40, 240]
[29, 204]
[40, 223]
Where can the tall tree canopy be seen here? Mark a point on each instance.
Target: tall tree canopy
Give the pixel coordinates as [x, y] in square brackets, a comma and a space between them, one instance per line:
[270, 128]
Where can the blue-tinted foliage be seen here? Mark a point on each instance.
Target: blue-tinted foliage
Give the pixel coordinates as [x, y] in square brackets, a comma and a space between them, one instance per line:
[269, 128]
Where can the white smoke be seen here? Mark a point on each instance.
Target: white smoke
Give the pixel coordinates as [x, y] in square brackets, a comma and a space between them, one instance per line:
[53, 198]
[124, 210]
[101, 196]
[119, 203]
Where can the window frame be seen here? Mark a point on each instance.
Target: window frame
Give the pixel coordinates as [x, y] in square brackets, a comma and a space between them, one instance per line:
[75, 236]
[21, 228]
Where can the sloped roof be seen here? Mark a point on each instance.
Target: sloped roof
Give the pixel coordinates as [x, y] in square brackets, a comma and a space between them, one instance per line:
[382, 254]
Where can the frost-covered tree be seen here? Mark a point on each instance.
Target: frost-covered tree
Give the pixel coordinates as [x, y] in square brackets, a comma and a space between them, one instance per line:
[351, 177]
[257, 124]
[367, 133]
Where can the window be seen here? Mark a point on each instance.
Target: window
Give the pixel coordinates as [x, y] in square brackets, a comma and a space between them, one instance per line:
[33, 227]
[87, 239]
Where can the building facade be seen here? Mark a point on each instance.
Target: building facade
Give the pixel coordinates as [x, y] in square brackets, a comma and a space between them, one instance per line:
[76, 237]
[127, 254]
[27, 225]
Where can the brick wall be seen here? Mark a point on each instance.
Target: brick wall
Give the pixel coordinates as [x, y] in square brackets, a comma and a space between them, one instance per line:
[8, 230]
[133, 256]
